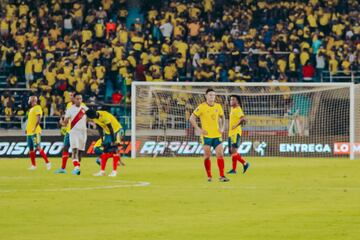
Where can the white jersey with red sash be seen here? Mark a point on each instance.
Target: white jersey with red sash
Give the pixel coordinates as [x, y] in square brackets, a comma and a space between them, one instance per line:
[78, 134]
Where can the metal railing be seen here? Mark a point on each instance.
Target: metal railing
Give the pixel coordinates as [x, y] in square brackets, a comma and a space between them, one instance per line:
[340, 76]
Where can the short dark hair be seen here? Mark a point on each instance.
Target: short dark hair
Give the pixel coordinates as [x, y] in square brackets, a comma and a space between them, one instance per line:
[77, 94]
[209, 90]
[237, 98]
[91, 113]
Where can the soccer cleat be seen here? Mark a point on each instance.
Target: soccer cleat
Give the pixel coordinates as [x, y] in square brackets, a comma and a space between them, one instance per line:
[76, 171]
[113, 174]
[232, 171]
[60, 170]
[97, 161]
[246, 166]
[48, 166]
[224, 179]
[99, 174]
[209, 179]
[32, 168]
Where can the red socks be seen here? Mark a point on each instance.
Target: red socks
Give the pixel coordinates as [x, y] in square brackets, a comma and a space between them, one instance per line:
[221, 165]
[76, 163]
[65, 157]
[207, 164]
[103, 159]
[32, 157]
[43, 154]
[237, 157]
[116, 159]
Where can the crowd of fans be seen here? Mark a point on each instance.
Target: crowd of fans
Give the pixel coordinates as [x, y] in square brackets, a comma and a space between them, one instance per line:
[56, 46]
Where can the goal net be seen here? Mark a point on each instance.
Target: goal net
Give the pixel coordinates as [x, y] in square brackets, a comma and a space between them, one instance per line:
[283, 119]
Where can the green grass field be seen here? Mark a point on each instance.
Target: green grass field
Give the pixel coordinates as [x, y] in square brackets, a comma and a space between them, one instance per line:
[276, 199]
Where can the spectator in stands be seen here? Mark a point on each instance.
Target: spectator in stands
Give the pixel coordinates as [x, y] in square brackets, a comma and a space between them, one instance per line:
[12, 80]
[85, 45]
[308, 72]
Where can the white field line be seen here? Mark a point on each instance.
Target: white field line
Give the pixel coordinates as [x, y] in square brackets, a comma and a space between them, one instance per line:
[118, 184]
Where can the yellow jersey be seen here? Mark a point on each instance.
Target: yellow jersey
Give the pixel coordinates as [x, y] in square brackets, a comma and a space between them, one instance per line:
[98, 143]
[235, 115]
[106, 118]
[32, 117]
[209, 118]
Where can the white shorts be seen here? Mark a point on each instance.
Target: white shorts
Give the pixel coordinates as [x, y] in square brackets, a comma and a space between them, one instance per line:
[78, 139]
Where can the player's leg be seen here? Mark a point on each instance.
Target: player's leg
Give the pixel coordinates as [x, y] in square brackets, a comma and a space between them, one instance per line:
[32, 154]
[105, 155]
[219, 150]
[235, 142]
[103, 160]
[41, 151]
[119, 135]
[116, 158]
[65, 154]
[98, 151]
[207, 154]
[74, 145]
[116, 155]
[76, 163]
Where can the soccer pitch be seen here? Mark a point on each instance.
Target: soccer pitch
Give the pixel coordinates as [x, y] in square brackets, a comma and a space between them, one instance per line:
[170, 198]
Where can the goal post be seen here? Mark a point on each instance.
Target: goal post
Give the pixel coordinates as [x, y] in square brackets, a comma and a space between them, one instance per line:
[283, 119]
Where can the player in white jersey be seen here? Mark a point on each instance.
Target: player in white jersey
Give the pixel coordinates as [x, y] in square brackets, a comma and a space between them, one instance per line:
[78, 132]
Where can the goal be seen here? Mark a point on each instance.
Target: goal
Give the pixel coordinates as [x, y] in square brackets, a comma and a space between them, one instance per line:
[283, 119]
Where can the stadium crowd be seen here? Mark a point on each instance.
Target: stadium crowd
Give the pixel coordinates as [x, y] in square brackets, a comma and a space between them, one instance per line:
[56, 46]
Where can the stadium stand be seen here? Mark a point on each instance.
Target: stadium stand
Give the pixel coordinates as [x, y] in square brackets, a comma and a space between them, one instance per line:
[99, 47]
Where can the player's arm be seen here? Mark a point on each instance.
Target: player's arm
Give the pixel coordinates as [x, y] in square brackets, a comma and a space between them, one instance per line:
[241, 122]
[65, 119]
[195, 125]
[222, 123]
[112, 133]
[101, 131]
[221, 120]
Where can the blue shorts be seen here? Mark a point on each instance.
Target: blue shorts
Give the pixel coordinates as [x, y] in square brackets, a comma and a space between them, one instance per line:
[108, 143]
[33, 141]
[234, 141]
[108, 138]
[212, 142]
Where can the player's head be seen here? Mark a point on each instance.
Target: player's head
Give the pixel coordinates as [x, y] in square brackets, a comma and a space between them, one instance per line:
[91, 113]
[234, 100]
[33, 100]
[210, 96]
[72, 96]
[78, 99]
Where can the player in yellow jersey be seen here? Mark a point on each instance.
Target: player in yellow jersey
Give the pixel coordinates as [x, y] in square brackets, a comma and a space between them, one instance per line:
[110, 131]
[212, 121]
[236, 120]
[33, 131]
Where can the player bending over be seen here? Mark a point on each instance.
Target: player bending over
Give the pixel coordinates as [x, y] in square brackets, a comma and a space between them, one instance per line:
[212, 122]
[237, 119]
[33, 131]
[110, 131]
[76, 115]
